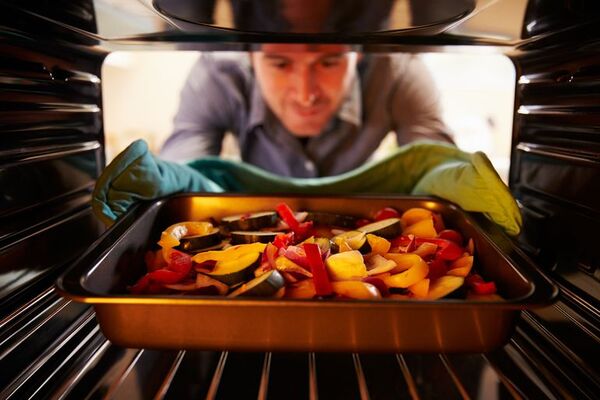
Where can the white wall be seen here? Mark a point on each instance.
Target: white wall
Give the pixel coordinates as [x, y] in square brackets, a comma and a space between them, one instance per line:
[141, 96]
[477, 95]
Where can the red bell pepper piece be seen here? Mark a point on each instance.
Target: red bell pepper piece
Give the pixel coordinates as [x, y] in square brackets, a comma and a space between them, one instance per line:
[478, 286]
[447, 250]
[166, 276]
[472, 279]
[407, 243]
[297, 254]
[437, 268]
[484, 288]
[452, 235]
[385, 213]
[287, 215]
[363, 222]
[141, 285]
[320, 278]
[283, 240]
[179, 262]
[301, 229]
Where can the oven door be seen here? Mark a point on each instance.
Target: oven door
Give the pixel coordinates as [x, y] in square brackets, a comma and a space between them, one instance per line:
[53, 150]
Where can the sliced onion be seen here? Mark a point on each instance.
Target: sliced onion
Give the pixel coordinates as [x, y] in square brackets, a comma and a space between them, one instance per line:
[206, 281]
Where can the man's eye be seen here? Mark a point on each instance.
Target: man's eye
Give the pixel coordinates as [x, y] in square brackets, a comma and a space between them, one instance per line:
[330, 62]
[280, 65]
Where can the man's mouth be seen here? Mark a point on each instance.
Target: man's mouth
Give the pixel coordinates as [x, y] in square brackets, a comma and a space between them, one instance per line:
[309, 111]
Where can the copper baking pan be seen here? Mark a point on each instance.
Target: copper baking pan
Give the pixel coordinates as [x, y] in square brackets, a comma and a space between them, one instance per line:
[101, 275]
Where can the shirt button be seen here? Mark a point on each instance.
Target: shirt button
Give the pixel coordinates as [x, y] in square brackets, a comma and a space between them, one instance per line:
[309, 166]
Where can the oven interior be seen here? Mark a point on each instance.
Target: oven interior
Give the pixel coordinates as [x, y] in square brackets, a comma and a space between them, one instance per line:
[53, 147]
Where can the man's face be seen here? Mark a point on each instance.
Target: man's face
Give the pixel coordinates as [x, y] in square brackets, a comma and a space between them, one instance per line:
[304, 85]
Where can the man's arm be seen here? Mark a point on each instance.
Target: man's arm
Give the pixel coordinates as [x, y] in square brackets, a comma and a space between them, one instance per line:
[415, 108]
[204, 114]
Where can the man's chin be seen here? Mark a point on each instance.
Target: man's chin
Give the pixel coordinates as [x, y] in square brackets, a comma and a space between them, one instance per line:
[305, 130]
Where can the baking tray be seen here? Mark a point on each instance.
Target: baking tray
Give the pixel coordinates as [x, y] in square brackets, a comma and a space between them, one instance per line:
[100, 277]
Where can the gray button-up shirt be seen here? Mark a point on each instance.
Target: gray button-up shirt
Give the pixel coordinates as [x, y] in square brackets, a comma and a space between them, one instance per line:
[390, 93]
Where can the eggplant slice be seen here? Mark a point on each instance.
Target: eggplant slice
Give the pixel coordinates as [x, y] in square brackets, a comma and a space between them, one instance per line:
[330, 219]
[200, 242]
[387, 228]
[242, 237]
[250, 221]
[266, 285]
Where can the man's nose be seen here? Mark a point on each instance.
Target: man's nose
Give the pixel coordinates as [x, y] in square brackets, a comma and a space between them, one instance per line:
[306, 87]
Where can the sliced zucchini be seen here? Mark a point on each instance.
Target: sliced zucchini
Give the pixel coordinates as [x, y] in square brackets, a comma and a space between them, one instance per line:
[387, 228]
[266, 285]
[235, 270]
[200, 242]
[355, 239]
[238, 237]
[332, 220]
[250, 221]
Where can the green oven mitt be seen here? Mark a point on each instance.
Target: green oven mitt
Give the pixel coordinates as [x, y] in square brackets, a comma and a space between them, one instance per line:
[424, 168]
[136, 175]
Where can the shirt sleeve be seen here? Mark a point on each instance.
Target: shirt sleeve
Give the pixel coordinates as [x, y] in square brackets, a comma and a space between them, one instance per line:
[415, 108]
[204, 113]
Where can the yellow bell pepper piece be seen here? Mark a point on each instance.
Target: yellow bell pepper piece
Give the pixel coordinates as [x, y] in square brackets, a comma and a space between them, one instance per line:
[356, 290]
[378, 244]
[420, 289]
[414, 274]
[231, 253]
[413, 215]
[346, 265]
[423, 228]
[403, 260]
[461, 266]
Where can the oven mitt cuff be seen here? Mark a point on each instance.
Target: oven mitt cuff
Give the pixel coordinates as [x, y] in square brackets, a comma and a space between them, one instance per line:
[421, 168]
[136, 175]
[474, 185]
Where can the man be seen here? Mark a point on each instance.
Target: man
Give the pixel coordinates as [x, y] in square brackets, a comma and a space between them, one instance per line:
[304, 110]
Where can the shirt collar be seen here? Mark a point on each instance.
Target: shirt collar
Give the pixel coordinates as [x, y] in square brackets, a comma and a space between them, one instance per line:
[258, 108]
[350, 110]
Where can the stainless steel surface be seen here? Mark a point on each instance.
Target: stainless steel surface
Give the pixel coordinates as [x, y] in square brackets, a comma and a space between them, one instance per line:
[114, 372]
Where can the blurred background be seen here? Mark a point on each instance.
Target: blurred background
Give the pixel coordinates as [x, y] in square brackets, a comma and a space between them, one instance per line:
[141, 95]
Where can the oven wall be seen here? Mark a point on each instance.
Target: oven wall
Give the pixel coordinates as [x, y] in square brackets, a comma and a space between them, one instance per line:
[51, 151]
[555, 174]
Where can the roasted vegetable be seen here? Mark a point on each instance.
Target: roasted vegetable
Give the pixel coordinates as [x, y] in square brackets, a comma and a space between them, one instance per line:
[238, 237]
[251, 221]
[387, 228]
[350, 240]
[266, 285]
[302, 255]
[199, 242]
[171, 236]
[236, 270]
[332, 220]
